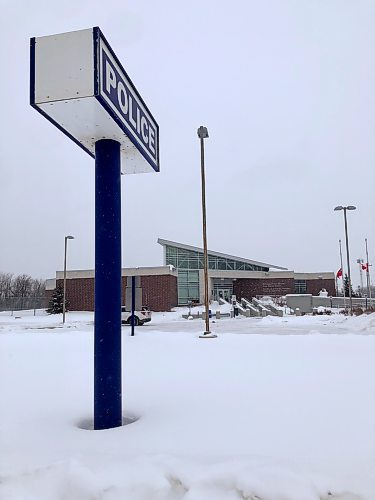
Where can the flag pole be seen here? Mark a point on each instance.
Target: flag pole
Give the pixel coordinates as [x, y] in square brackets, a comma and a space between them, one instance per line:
[343, 274]
[360, 262]
[368, 274]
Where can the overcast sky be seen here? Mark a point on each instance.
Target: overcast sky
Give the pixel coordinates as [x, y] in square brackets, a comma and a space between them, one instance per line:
[287, 91]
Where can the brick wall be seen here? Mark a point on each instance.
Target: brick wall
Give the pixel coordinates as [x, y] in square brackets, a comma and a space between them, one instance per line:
[79, 293]
[159, 292]
[247, 288]
[314, 286]
[276, 287]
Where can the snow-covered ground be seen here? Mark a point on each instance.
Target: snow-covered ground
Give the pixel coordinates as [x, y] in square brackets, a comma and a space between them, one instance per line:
[273, 409]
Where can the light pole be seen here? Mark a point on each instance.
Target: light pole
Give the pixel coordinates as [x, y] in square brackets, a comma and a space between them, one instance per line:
[349, 207]
[342, 270]
[64, 293]
[203, 134]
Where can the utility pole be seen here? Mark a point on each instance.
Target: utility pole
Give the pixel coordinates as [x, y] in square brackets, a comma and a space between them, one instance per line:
[203, 134]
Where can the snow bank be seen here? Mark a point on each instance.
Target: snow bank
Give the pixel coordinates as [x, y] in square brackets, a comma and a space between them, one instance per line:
[265, 411]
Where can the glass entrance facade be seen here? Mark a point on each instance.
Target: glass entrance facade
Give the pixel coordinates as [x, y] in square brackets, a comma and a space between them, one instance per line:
[222, 288]
[189, 262]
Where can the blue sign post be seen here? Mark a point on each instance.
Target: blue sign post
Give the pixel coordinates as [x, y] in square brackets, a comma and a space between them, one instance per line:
[107, 327]
[79, 85]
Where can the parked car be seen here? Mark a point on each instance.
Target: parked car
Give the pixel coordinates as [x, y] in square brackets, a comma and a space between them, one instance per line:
[140, 317]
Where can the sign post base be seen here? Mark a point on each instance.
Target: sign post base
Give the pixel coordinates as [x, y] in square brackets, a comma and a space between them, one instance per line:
[208, 335]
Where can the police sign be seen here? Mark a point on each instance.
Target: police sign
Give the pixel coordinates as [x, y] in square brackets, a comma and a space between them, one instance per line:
[78, 83]
[119, 93]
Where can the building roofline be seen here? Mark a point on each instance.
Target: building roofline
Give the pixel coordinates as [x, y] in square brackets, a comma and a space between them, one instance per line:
[164, 243]
[125, 271]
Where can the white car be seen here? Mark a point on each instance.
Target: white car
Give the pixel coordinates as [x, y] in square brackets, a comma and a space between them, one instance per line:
[140, 317]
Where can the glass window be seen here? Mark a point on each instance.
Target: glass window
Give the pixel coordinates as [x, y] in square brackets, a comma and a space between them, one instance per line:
[183, 292]
[194, 262]
[221, 263]
[300, 286]
[172, 251]
[183, 264]
[212, 262]
[182, 277]
[171, 261]
[193, 276]
[194, 292]
[201, 261]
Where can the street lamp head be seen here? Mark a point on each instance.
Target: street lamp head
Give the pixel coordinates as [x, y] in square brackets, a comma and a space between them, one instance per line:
[349, 207]
[69, 237]
[202, 133]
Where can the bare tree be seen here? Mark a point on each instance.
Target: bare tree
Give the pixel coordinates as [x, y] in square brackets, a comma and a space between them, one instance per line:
[22, 285]
[6, 280]
[38, 287]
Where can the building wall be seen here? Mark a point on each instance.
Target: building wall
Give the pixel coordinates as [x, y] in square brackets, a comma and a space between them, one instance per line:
[79, 293]
[247, 288]
[314, 286]
[159, 292]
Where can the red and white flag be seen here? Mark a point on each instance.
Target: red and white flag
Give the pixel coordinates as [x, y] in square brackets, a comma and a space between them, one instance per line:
[339, 273]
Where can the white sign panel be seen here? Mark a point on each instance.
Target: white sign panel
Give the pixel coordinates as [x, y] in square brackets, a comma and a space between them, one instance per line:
[77, 82]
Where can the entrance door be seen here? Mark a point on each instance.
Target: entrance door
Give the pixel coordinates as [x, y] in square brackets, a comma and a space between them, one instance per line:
[224, 293]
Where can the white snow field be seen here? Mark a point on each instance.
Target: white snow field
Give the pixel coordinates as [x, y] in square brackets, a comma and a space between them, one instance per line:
[273, 409]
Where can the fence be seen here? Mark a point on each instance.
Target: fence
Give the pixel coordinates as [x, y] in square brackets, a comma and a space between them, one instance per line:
[23, 303]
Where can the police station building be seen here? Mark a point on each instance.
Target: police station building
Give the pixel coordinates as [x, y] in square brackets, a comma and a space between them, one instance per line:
[181, 280]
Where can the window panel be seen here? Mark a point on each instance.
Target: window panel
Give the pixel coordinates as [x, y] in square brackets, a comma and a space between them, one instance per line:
[193, 292]
[221, 264]
[231, 264]
[193, 263]
[172, 261]
[212, 262]
[182, 276]
[193, 276]
[172, 251]
[183, 292]
[300, 286]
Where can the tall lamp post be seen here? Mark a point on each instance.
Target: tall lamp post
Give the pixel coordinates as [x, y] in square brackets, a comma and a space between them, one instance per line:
[64, 293]
[203, 134]
[342, 275]
[349, 207]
